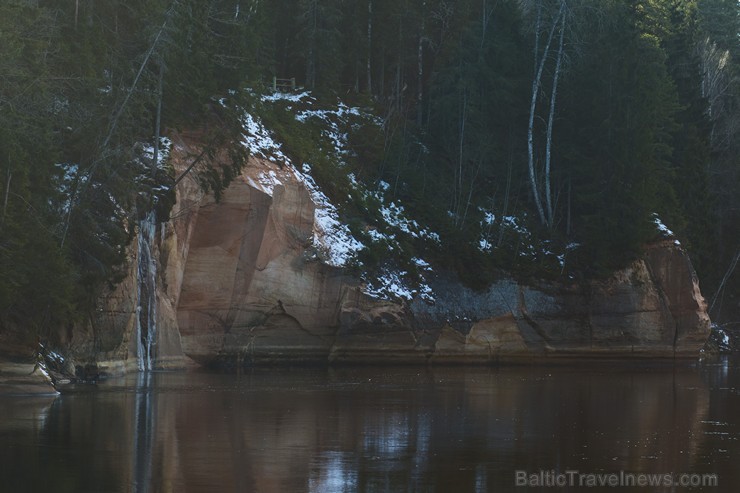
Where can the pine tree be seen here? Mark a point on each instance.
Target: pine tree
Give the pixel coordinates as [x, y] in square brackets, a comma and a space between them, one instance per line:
[619, 122]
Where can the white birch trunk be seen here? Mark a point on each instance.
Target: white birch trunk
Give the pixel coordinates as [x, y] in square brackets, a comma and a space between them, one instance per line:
[536, 82]
[548, 145]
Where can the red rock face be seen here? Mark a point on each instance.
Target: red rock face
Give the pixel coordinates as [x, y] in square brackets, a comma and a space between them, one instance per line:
[248, 285]
[676, 281]
[239, 282]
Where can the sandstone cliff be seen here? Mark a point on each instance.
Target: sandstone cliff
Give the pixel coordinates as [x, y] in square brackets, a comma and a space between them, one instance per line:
[240, 282]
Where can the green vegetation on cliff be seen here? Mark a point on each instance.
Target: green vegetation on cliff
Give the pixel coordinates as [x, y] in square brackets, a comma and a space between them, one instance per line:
[500, 125]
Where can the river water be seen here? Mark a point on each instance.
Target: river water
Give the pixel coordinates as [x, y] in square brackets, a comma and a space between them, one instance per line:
[381, 430]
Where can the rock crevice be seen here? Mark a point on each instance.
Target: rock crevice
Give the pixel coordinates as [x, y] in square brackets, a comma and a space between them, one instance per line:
[239, 284]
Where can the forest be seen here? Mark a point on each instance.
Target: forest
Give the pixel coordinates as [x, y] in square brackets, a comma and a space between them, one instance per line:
[586, 120]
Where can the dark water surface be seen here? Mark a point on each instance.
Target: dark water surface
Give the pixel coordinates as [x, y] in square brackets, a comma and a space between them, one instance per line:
[376, 430]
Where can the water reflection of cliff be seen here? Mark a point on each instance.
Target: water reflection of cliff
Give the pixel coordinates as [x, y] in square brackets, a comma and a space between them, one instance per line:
[362, 429]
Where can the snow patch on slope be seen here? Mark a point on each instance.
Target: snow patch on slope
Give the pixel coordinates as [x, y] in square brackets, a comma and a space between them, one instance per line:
[163, 152]
[259, 140]
[332, 120]
[293, 97]
[332, 239]
[392, 284]
[663, 230]
[507, 223]
[394, 214]
[509, 226]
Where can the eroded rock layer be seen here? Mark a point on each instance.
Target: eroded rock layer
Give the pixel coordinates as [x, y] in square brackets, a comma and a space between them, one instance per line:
[240, 283]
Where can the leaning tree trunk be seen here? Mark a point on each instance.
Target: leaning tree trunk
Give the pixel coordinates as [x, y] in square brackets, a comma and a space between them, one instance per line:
[536, 83]
[550, 119]
[369, 46]
[420, 69]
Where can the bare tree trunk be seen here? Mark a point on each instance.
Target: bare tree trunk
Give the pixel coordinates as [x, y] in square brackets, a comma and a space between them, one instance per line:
[550, 118]
[311, 59]
[77, 12]
[471, 188]
[567, 222]
[399, 90]
[190, 167]
[114, 123]
[401, 158]
[484, 25]
[158, 120]
[369, 46]
[536, 82]
[485, 21]
[7, 193]
[716, 82]
[116, 117]
[381, 85]
[461, 151]
[505, 209]
[726, 277]
[420, 69]
[356, 65]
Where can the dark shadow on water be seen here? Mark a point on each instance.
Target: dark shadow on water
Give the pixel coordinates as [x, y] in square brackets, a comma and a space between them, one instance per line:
[144, 425]
[374, 429]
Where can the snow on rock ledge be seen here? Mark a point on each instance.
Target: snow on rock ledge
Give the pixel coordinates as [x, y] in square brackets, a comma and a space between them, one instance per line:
[238, 286]
[332, 239]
